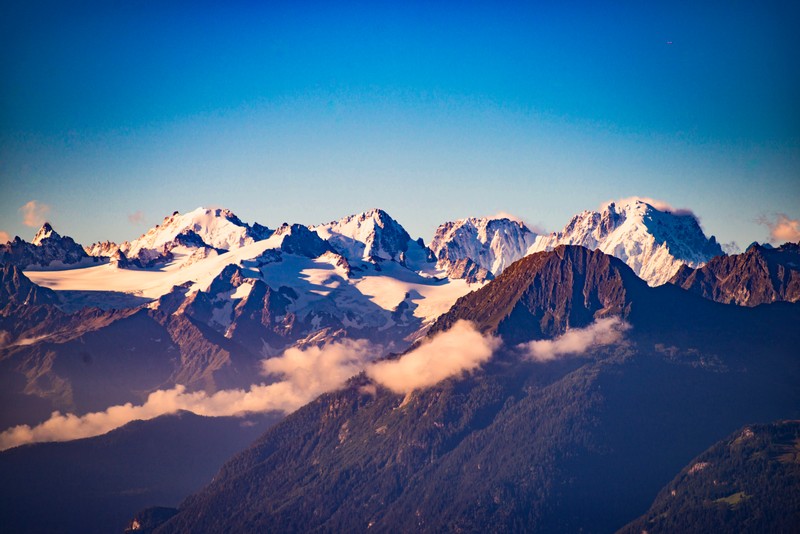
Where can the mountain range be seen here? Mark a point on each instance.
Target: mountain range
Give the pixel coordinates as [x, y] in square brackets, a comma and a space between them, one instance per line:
[572, 443]
[561, 379]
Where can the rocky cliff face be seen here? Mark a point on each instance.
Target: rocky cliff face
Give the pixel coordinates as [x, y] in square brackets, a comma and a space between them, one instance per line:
[480, 248]
[546, 293]
[48, 249]
[369, 236]
[758, 276]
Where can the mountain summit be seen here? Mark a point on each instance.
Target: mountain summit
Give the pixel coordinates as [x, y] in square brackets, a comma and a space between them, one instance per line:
[48, 249]
[653, 242]
[480, 248]
[369, 236]
[213, 228]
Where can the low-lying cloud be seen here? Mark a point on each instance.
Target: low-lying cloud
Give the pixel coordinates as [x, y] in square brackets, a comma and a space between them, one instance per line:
[782, 229]
[34, 213]
[454, 352]
[4, 237]
[577, 341]
[304, 375]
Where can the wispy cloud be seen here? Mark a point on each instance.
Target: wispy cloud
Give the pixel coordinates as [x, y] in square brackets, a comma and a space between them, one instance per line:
[304, 375]
[34, 213]
[458, 350]
[136, 218]
[782, 229]
[4, 237]
[577, 341]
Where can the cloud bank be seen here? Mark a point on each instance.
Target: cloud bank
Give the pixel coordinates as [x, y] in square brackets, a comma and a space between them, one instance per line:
[34, 213]
[454, 352]
[4, 237]
[577, 341]
[783, 229]
[304, 375]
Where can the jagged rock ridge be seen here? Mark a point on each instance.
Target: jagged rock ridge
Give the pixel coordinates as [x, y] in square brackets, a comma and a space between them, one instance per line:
[760, 275]
[48, 249]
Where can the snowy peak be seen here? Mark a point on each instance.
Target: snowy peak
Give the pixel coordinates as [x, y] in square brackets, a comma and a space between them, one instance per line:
[102, 249]
[653, 242]
[48, 249]
[45, 232]
[490, 245]
[366, 236]
[217, 228]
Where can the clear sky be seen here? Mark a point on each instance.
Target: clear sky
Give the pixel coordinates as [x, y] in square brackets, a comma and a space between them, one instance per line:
[115, 114]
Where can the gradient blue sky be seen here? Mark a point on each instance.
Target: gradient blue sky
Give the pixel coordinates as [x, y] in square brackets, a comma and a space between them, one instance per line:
[115, 114]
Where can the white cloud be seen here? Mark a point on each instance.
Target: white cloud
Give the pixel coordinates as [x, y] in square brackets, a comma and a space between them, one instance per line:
[577, 341]
[306, 374]
[34, 213]
[458, 350]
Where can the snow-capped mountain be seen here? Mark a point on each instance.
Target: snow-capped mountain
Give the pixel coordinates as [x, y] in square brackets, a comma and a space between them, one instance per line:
[210, 229]
[47, 250]
[653, 242]
[373, 235]
[480, 248]
[101, 249]
[362, 275]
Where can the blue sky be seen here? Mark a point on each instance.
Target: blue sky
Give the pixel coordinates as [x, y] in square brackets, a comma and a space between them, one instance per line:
[115, 114]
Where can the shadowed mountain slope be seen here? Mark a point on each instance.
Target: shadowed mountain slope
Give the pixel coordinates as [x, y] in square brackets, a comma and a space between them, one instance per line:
[579, 443]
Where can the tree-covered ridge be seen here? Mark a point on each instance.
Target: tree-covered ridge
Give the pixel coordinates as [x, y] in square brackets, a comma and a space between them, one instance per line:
[748, 482]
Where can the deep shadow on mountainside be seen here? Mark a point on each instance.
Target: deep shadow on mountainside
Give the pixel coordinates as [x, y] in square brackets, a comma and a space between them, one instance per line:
[579, 443]
[96, 485]
[748, 482]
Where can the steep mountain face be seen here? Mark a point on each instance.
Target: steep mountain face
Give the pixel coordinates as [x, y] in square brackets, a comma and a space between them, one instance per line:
[480, 248]
[748, 482]
[48, 249]
[652, 242]
[97, 484]
[369, 236]
[758, 276]
[580, 443]
[545, 294]
[16, 290]
[300, 240]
